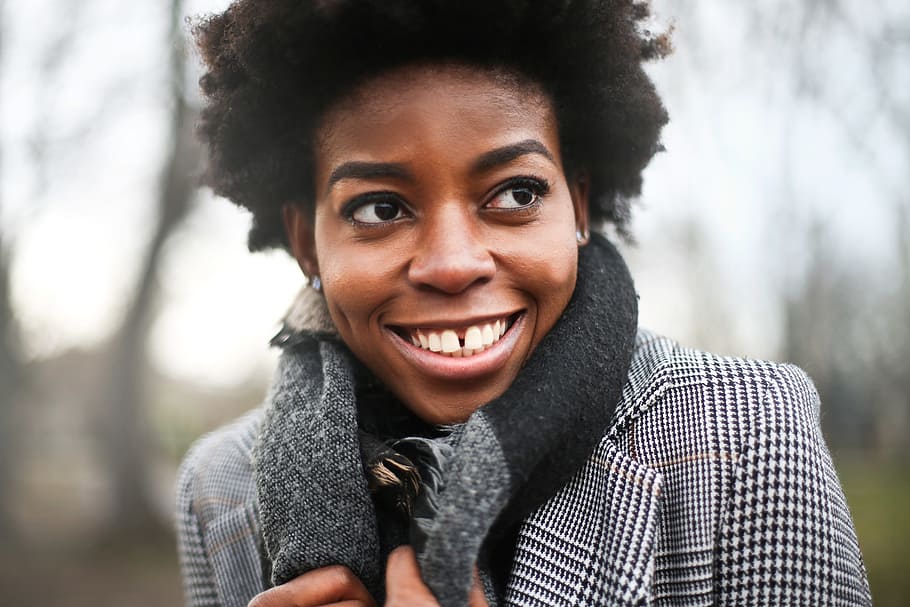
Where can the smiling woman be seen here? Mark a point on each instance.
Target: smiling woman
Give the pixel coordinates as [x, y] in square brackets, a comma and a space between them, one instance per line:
[454, 182]
[465, 411]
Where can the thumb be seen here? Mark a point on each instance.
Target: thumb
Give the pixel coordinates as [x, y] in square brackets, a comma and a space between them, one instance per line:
[404, 586]
[477, 598]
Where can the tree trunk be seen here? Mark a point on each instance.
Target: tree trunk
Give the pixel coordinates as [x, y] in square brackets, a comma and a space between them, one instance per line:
[10, 370]
[126, 431]
[10, 389]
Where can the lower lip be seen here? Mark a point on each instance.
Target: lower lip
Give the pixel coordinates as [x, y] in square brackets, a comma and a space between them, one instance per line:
[449, 367]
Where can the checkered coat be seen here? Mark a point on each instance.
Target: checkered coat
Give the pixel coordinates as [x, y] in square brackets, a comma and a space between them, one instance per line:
[712, 486]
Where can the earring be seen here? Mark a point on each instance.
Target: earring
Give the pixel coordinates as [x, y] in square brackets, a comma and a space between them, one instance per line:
[581, 236]
[316, 284]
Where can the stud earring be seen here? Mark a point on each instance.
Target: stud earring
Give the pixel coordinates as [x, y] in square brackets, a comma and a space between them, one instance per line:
[316, 284]
[581, 236]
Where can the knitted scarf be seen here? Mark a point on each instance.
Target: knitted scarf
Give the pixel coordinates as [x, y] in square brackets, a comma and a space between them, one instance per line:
[511, 455]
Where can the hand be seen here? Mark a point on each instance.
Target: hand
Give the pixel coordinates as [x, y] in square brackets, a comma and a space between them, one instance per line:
[405, 588]
[335, 586]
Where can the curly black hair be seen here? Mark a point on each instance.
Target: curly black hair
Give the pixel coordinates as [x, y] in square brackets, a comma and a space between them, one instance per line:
[275, 67]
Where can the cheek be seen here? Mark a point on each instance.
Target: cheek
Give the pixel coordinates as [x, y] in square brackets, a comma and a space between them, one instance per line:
[547, 267]
[350, 290]
[548, 271]
[347, 283]
[357, 283]
[555, 275]
[555, 288]
[547, 256]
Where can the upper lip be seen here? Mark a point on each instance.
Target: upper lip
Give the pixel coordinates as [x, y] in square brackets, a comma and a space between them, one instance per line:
[449, 323]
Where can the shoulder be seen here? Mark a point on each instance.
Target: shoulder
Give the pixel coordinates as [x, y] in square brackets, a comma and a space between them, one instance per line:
[698, 417]
[747, 480]
[682, 390]
[217, 472]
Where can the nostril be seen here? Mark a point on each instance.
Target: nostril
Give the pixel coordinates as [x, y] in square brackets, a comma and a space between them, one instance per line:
[452, 274]
[449, 281]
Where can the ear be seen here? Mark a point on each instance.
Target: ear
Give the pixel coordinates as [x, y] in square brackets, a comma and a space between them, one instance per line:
[298, 224]
[579, 187]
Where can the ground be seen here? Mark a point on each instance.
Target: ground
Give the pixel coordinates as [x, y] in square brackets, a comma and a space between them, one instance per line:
[143, 575]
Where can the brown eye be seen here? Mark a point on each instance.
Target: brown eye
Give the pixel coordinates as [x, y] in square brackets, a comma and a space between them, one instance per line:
[524, 193]
[523, 197]
[377, 211]
[386, 211]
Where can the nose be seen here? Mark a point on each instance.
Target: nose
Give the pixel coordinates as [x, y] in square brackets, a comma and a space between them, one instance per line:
[451, 253]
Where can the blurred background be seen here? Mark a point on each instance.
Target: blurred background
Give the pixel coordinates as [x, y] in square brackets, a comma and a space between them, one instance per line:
[132, 318]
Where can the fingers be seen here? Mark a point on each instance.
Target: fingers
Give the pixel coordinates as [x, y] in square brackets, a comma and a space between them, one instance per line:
[403, 563]
[405, 587]
[477, 597]
[335, 585]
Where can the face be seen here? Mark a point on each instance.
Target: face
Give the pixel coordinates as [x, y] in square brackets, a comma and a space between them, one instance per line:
[444, 232]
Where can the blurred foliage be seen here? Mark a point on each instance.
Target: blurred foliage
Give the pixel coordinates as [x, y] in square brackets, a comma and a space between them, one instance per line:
[878, 494]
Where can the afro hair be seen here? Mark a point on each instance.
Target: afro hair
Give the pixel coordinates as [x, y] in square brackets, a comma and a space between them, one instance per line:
[275, 66]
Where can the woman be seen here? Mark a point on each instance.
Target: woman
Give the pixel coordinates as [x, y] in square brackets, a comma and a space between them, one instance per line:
[465, 411]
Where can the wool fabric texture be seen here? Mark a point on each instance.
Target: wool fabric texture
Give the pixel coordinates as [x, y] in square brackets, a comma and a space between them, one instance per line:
[509, 457]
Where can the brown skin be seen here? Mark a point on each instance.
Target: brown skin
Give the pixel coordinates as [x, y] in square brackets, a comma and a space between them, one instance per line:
[459, 249]
[438, 233]
[338, 587]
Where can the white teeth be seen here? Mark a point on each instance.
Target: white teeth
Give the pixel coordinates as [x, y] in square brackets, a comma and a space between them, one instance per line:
[473, 338]
[450, 341]
[434, 343]
[487, 335]
[477, 338]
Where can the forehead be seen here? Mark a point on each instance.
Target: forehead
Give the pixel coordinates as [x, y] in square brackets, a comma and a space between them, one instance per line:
[460, 111]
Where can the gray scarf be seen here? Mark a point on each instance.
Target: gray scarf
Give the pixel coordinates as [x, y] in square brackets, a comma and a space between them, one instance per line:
[511, 455]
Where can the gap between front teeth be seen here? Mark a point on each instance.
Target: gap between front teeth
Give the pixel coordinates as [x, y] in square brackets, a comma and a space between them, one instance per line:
[477, 338]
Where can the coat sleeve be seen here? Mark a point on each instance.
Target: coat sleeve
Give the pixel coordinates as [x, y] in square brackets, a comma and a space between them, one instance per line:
[196, 570]
[786, 536]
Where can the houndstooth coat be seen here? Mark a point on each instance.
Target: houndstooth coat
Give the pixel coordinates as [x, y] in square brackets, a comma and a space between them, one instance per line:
[712, 486]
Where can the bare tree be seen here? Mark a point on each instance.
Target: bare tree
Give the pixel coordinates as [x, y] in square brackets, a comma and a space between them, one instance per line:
[10, 365]
[845, 322]
[125, 435]
[848, 325]
[11, 379]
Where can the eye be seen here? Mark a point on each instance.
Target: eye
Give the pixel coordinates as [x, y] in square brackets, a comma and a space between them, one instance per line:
[376, 208]
[519, 193]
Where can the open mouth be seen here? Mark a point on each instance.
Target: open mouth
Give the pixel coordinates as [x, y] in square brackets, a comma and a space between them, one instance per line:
[458, 342]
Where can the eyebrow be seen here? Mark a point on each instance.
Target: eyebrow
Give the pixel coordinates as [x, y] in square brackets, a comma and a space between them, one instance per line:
[368, 170]
[486, 161]
[508, 153]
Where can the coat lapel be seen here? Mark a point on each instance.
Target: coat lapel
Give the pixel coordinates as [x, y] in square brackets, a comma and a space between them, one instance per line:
[593, 542]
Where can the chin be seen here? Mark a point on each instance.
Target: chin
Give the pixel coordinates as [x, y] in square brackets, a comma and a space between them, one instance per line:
[453, 409]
